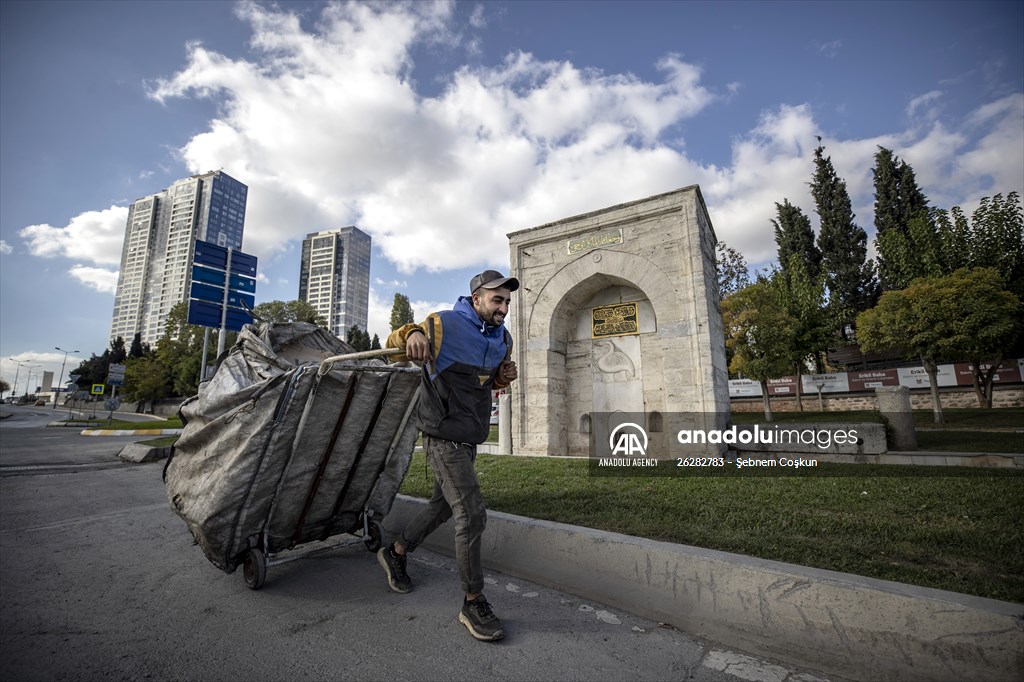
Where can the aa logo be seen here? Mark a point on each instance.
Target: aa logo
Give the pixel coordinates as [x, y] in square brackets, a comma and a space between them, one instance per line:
[628, 439]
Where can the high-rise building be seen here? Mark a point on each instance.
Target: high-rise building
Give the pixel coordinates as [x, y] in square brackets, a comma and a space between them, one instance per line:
[335, 277]
[156, 260]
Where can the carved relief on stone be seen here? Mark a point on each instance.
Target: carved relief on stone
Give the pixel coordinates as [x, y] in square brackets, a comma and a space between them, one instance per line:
[612, 363]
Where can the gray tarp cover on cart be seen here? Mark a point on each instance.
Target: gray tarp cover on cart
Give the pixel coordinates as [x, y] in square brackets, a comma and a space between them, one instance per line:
[279, 448]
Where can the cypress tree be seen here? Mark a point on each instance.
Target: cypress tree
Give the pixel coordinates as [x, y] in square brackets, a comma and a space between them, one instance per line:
[850, 277]
[401, 312]
[794, 236]
[898, 203]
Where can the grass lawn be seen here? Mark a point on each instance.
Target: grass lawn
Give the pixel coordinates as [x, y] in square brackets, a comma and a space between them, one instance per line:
[962, 531]
[965, 430]
[172, 423]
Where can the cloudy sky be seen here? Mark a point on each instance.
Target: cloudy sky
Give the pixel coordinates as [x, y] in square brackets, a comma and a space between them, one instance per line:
[438, 128]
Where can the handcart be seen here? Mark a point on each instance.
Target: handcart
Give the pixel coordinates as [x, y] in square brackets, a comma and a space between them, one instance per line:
[294, 440]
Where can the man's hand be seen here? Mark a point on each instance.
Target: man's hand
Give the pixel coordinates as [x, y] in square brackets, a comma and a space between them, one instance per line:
[417, 347]
[508, 372]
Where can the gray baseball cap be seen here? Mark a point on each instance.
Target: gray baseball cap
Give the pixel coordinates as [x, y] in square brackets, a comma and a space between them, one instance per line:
[492, 279]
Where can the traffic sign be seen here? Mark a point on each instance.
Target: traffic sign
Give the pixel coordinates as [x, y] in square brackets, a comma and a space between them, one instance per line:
[115, 374]
[97, 389]
[222, 287]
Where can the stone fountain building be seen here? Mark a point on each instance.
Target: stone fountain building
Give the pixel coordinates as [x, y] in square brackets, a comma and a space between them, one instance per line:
[618, 312]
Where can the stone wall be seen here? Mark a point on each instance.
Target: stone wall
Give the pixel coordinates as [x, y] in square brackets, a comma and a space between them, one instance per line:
[1011, 396]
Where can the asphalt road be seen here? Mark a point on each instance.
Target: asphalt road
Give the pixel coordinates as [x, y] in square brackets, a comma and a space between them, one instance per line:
[100, 580]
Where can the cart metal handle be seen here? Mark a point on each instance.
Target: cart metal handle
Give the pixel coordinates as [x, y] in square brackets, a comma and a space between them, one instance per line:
[325, 365]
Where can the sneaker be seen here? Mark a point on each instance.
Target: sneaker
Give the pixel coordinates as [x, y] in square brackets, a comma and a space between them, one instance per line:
[393, 564]
[480, 620]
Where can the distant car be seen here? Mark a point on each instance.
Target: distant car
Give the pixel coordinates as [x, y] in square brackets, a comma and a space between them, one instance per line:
[40, 403]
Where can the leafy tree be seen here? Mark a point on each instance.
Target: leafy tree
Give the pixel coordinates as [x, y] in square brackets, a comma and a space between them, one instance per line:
[804, 300]
[92, 371]
[117, 350]
[146, 378]
[401, 312]
[290, 311]
[375, 344]
[995, 239]
[358, 339]
[850, 277]
[731, 268]
[794, 237]
[898, 201]
[938, 242]
[967, 314]
[4, 387]
[180, 350]
[138, 349]
[760, 332]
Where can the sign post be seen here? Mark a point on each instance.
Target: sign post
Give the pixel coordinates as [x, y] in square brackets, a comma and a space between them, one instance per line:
[222, 291]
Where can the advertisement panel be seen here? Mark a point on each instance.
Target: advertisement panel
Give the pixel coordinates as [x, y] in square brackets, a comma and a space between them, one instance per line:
[1009, 372]
[869, 381]
[832, 382]
[744, 388]
[782, 386]
[917, 377]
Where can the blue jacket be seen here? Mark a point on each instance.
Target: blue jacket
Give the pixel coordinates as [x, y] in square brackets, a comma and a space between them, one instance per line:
[455, 397]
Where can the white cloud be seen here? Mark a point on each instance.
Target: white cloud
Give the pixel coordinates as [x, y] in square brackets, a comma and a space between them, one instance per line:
[96, 278]
[925, 105]
[327, 128]
[394, 284]
[477, 19]
[830, 49]
[95, 236]
[1001, 123]
[5, 248]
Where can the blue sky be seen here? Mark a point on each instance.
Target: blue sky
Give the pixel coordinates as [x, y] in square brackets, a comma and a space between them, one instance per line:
[440, 127]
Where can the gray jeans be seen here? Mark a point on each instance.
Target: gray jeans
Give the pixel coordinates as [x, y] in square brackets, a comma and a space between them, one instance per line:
[456, 493]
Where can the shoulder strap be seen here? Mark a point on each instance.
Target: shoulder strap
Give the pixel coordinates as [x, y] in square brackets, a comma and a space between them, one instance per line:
[430, 338]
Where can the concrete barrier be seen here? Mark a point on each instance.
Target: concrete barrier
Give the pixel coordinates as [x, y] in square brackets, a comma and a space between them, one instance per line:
[136, 452]
[850, 626]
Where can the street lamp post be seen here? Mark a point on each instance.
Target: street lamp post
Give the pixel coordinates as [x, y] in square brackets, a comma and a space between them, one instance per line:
[59, 381]
[28, 381]
[14, 389]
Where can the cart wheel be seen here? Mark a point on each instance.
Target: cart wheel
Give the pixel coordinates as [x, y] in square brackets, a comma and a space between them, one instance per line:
[375, 537]
[255, 569]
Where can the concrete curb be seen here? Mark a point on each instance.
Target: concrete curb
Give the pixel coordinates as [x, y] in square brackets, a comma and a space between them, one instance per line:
[136, 452]
[847, 625]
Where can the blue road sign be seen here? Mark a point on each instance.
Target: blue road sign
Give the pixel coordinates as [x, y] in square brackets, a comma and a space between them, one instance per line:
[244, 301]
[207, 253]
[236, 319]
[207, 293]
[243, 264]
[239, 283]
[204, 313]
[208, 276]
